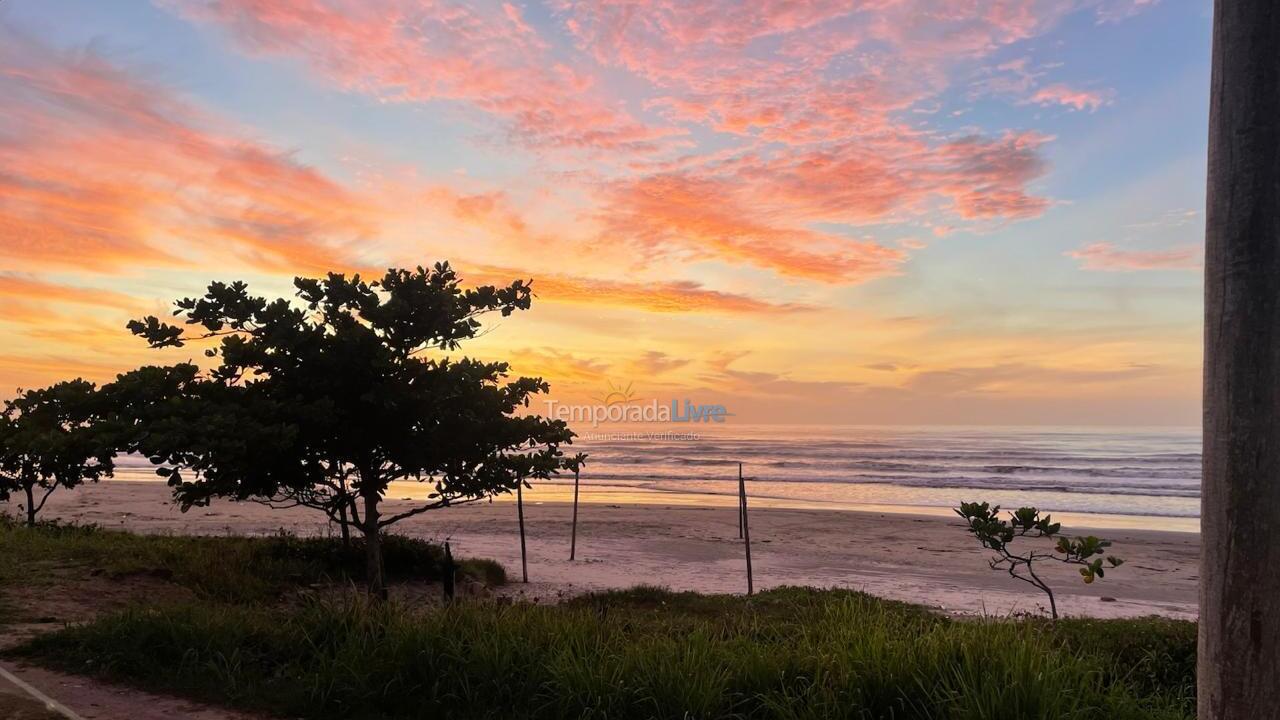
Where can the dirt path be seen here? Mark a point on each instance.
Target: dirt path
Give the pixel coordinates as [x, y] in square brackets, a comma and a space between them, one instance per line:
[94, 700]
[66, 596]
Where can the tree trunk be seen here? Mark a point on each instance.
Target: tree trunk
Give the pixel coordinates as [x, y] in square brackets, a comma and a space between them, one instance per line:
[1044, 588]
[373, 548]
[31, 506]
[344, 523]
[1239, 653]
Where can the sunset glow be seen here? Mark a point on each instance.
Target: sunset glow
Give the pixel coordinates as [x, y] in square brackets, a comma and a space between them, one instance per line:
[882, 211]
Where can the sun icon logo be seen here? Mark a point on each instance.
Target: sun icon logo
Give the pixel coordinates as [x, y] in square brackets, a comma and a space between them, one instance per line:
[617, 395]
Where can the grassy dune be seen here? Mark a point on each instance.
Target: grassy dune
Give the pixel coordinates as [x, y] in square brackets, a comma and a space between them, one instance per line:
[642, 653]
[228, 568]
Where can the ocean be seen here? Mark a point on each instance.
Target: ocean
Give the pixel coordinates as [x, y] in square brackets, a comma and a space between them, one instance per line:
[1102, 477]
[1151, 476]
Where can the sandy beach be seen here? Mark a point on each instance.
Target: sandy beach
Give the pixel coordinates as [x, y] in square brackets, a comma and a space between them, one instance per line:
[927, 559]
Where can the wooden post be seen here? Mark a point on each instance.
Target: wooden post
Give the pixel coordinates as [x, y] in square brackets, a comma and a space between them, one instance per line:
[573, 534]
[449, 573]
[524, 559]
[1239, 653]
[740, 503]
[746, 529]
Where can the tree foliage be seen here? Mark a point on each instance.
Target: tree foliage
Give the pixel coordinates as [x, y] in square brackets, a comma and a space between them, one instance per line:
[325, 400]
[1027, 523]
[52, 438]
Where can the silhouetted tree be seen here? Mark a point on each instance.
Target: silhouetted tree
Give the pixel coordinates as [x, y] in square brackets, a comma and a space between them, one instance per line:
[326, 401]
[52, 438]
[999, 535]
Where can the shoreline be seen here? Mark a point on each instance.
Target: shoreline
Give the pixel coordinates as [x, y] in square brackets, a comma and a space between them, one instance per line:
[920, 558]
[560, 491]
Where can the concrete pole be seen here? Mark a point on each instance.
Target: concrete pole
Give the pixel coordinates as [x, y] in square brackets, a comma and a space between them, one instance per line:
[1239, 657]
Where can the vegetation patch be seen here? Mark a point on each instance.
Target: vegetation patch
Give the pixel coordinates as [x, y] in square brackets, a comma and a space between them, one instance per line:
[235, 569]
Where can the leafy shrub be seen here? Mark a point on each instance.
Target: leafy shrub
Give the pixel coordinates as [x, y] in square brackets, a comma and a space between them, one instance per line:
[1026, 523]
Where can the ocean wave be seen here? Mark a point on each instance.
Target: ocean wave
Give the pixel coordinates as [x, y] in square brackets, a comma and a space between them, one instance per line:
[939, 482]
[763, 493]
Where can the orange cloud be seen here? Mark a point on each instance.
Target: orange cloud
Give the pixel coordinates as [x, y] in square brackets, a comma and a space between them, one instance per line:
[652, 363]
[56, 330]
[562, 366]
[101, 169]
[675, 214]
[1106, 257]
[1029, 378]
[30, 288]
[19, 371]
[663, 297]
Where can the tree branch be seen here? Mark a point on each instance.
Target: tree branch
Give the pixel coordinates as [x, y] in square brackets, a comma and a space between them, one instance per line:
[45, 499]
[419, 510]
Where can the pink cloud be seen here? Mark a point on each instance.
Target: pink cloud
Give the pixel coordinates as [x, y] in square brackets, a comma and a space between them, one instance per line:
[1106, 257]
[827, 85]
[1076, 99]
[400, 50]
[1111, 11]
[758, 210]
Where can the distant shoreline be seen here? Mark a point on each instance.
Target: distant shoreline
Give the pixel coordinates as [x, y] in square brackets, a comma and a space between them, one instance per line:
[561, 491]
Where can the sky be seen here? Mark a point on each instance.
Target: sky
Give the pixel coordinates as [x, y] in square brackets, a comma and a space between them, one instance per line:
[867, 212]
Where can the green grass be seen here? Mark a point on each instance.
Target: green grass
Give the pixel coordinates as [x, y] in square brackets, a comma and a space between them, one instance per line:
[1152, 654]
[223, 568]
[787, 653]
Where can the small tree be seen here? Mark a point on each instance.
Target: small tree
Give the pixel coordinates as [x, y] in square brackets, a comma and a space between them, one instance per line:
[325, 402]
[51, 438]
[998, 535]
